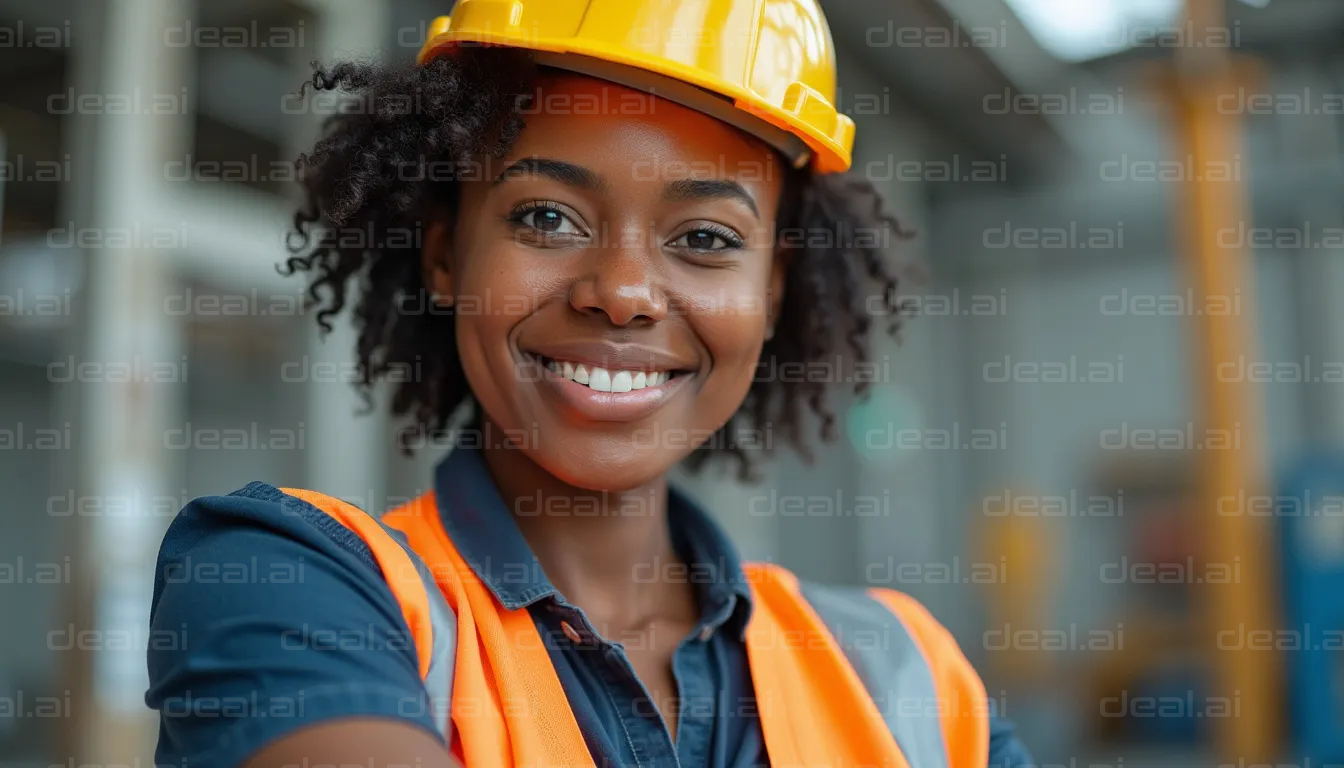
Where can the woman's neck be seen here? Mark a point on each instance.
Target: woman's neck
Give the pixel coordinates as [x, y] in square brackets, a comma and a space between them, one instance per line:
[606, 551]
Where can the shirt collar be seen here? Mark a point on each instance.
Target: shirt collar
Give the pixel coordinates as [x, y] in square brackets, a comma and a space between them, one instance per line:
[485, 533]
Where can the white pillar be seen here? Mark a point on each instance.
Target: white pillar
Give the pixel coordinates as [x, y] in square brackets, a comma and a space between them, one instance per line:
[347, 453]
[130, 376]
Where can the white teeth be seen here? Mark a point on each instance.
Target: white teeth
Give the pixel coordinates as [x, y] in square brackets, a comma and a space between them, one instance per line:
[600, 380]
[604, 380]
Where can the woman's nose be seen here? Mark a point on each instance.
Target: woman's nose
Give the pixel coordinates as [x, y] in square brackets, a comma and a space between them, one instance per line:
[624, 281]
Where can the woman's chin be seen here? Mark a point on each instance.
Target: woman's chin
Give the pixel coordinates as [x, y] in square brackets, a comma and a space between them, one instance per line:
[605, 467]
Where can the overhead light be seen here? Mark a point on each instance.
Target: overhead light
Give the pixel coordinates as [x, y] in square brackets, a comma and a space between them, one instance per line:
[1077, 30]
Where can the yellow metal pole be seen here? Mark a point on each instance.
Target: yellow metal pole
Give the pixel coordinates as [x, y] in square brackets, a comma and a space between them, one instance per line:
[1232, 459]
[1019, 599]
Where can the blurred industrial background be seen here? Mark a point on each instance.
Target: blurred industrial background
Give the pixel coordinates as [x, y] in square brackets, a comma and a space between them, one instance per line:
[1103, 455]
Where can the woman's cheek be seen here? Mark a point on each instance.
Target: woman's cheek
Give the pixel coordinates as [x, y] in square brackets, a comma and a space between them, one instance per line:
[734, 332]
[489, 302]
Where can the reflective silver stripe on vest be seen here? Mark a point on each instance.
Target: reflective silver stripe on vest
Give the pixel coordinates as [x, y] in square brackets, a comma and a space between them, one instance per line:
[439, 681]
[890, 664]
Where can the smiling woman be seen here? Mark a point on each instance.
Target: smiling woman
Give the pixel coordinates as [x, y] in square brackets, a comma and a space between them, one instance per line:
[552, 187]
[552, 601]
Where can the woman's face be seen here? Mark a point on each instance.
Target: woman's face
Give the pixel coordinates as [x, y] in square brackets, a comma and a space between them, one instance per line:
[614, 279]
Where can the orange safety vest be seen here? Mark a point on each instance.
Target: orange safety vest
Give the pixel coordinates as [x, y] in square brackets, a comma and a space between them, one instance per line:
[843, 678]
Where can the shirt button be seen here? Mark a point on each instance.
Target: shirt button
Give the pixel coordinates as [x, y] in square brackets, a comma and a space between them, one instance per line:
[571, 633]
[706, 633]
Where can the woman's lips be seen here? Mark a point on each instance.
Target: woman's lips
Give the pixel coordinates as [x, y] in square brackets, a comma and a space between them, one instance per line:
[591, 404]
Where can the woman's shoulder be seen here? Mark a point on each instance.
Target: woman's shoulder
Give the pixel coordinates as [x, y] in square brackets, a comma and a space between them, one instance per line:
[849, 606]
[259, 515]
[244, 584]
[886, 633]
[259, 547]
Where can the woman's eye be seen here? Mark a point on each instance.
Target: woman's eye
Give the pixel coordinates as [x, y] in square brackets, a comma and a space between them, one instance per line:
[550, 221]
[705, 240]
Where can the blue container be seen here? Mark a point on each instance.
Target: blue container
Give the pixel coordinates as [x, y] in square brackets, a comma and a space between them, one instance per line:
[1310, 511]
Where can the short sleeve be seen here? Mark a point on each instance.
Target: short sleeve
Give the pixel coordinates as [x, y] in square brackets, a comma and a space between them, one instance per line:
[265, 621]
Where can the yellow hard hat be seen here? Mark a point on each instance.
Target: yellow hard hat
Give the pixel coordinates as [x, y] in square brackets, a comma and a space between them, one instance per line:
[765, 66]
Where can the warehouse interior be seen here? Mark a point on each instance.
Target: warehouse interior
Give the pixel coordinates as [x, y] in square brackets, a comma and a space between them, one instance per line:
[1037, 449]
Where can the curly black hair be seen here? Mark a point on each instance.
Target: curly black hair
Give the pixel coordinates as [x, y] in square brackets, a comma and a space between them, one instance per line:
[372, 172]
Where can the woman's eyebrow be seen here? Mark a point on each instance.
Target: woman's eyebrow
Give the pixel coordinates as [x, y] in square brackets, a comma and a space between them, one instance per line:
[556, 170]
[709, 189]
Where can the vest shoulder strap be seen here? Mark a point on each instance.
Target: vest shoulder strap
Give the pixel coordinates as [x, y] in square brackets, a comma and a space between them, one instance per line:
[432, 623]
[929, 695]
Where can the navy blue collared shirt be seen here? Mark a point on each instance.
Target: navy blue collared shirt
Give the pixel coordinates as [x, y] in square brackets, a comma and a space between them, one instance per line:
[307, 631]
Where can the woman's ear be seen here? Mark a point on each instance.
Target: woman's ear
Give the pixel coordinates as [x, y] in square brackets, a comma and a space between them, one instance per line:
[778, 272]
[436, 263]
